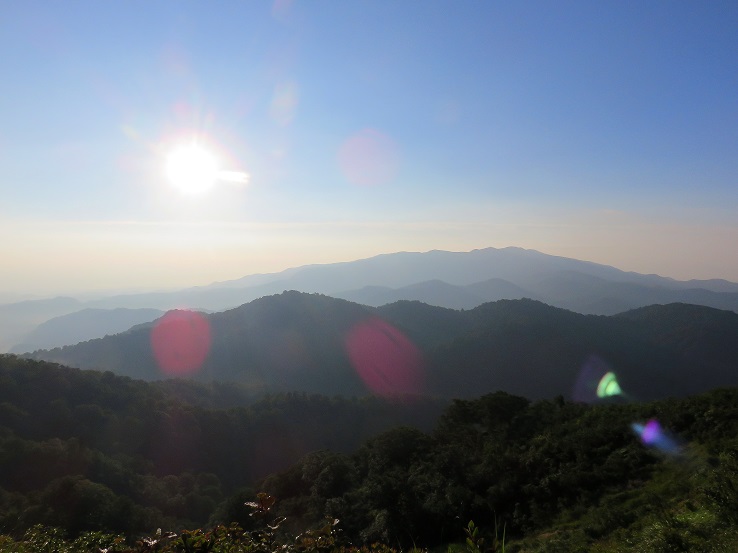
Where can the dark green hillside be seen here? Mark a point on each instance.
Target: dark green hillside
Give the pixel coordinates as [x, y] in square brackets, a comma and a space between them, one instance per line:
[83, 450]
[427, 325]
[148, 457]
[557, 476]
[300, 342]
[705, 339]
[537, 351]
[287, 342]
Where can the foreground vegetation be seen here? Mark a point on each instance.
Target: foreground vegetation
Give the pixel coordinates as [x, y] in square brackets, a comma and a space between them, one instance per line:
[671, 524]
[558, 476]
[94, 462]
[86, 450]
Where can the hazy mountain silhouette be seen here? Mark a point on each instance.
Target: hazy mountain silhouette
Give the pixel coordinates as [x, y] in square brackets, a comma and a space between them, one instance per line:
[522, 267]
[574, 290]
[457, 268]
[460, 280]
[17, 319]
[590, 294]
[83, 325]
[303, 342]
[439, 293]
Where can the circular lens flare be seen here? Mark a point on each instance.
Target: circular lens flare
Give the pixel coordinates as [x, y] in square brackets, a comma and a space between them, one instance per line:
[385, 359]
[180, 341]
[369, 158]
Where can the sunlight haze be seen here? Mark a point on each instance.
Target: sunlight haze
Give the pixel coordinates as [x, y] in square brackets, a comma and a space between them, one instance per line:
[174, 144]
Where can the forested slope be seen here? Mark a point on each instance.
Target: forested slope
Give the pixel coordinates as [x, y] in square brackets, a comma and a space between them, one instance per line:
[83, 450]
[145, 456]
[558, 476]
[315, 344]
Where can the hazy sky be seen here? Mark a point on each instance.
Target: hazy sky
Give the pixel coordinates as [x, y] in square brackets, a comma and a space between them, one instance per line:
[605, 131]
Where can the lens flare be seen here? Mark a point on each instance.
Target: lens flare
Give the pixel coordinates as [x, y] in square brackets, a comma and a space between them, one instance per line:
[595, 381]
[388, 362]
[652, 435]
[281, 9]
[368, 158]
[284, 104]
[608, 386]
[651, 432]
[180, 341]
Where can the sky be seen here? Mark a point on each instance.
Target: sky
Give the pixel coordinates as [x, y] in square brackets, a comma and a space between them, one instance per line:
[159, 145]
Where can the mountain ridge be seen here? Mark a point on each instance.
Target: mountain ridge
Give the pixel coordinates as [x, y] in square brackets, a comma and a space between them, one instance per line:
[318, 344]
[583, 286]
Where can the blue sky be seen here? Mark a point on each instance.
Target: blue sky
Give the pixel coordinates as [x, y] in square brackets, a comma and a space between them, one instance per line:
[604, 131]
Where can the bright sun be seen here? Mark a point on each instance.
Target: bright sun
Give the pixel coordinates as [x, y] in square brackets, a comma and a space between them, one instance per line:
[191, 169]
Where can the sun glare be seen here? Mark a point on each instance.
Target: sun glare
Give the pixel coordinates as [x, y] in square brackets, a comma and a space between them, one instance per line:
[191, 169]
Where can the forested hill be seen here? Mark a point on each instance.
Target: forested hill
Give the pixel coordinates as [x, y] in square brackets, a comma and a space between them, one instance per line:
[81, 449]
[549, 476]
[317, 344]
[90, 451]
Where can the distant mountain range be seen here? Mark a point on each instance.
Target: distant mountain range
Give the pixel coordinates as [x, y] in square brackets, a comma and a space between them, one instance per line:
[317, 344]
[457, 280]
[80, 326]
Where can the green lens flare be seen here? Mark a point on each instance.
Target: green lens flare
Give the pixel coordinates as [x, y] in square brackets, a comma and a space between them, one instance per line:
[608, 386]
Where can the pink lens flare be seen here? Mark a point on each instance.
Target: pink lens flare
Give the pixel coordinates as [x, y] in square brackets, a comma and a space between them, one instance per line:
[369, 158]
[284, 104]
[388, 363]
[180, 341]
